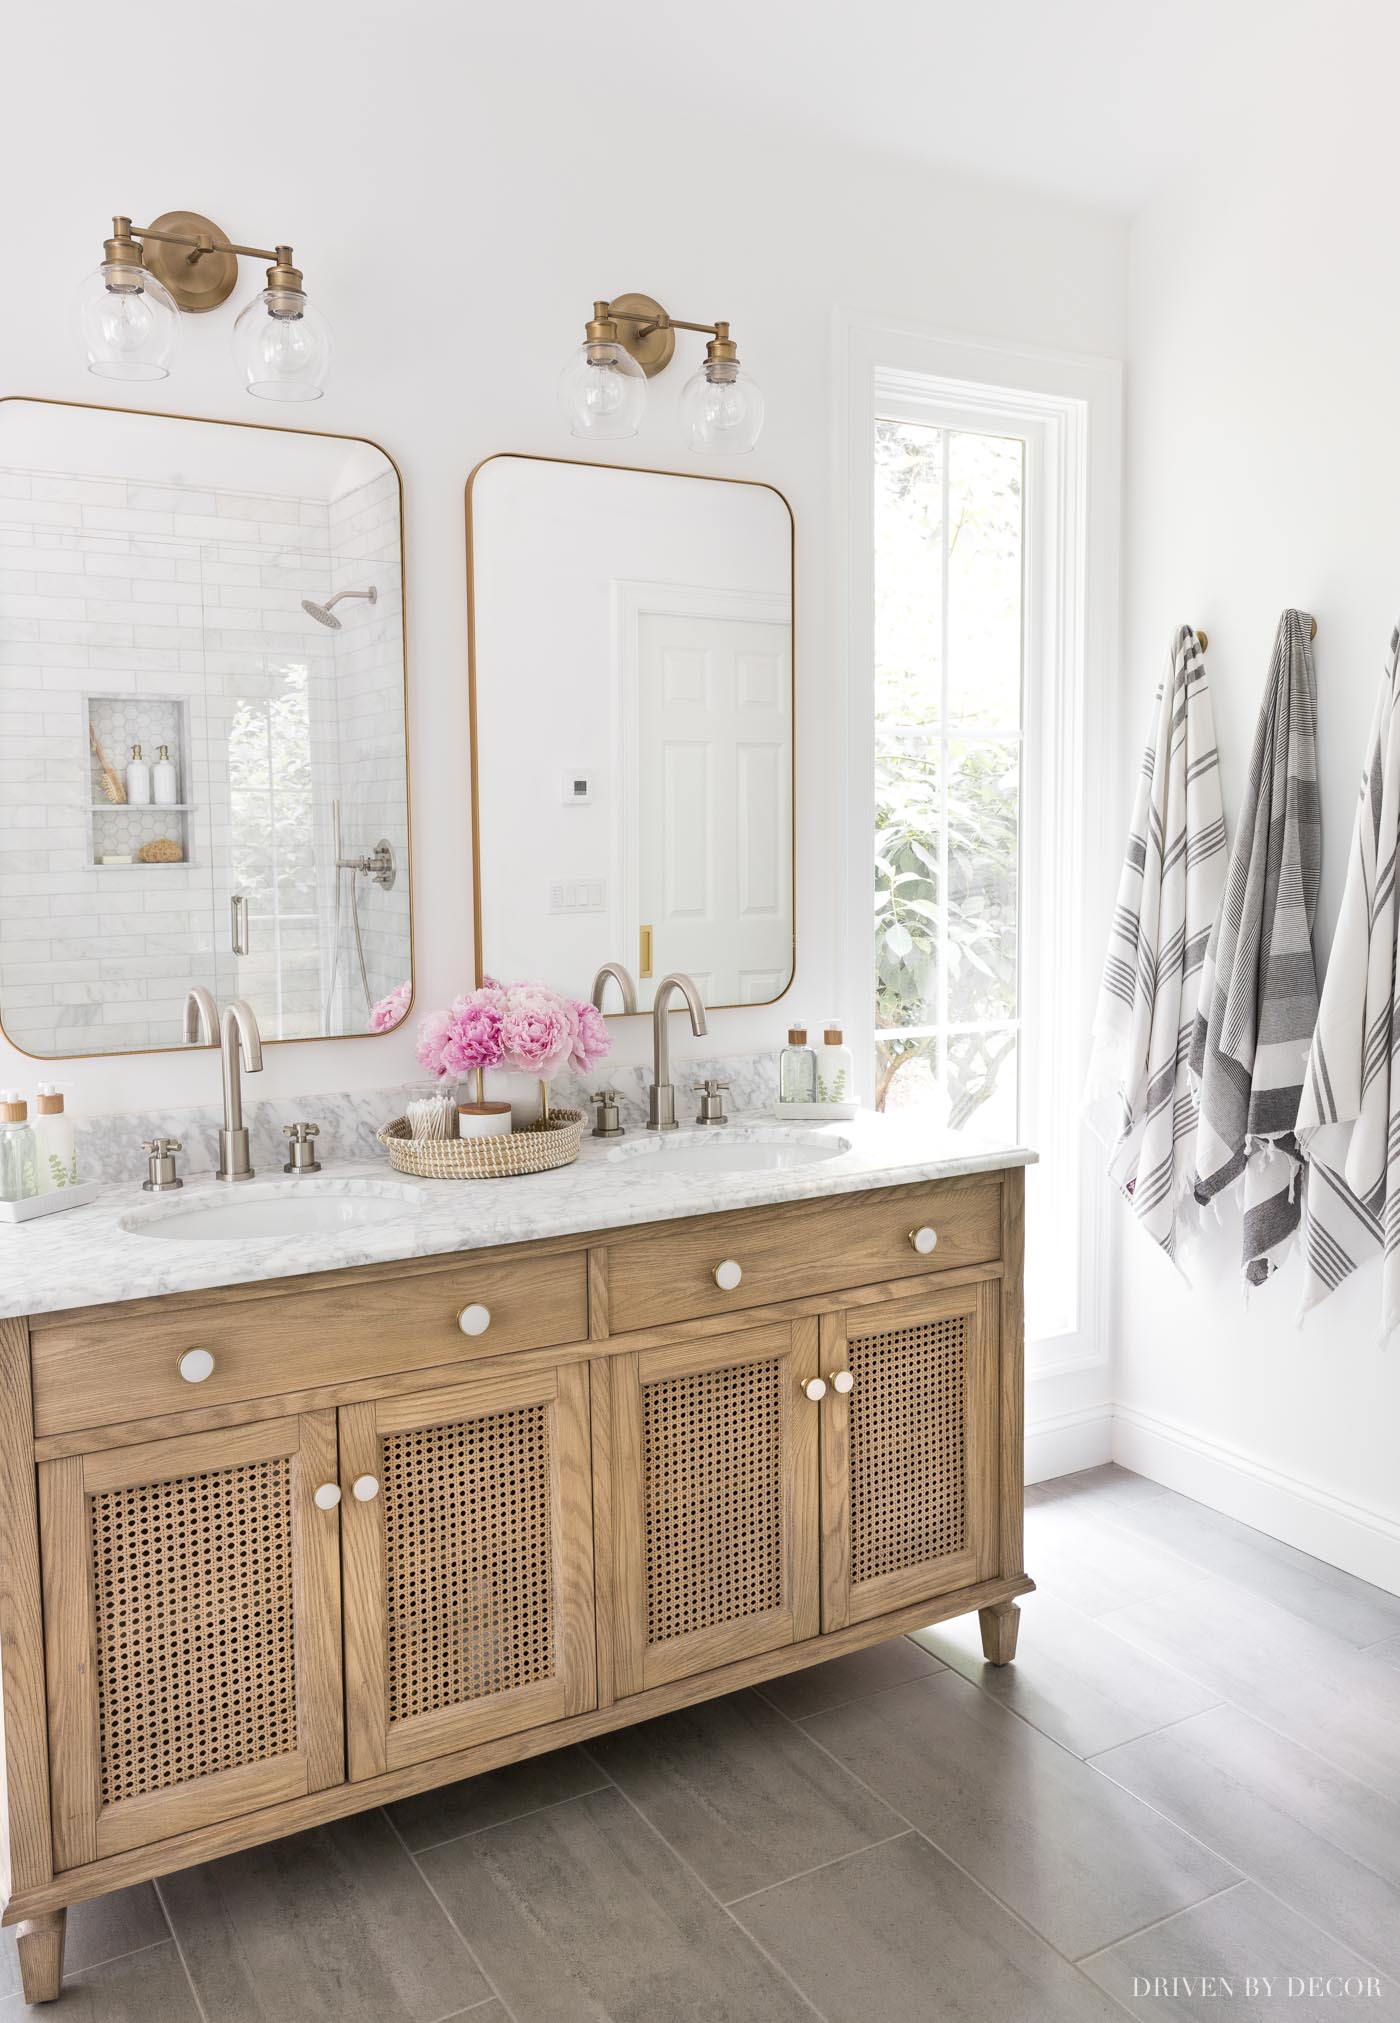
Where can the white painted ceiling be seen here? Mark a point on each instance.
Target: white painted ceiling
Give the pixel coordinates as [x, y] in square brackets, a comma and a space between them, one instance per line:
[1107, 101]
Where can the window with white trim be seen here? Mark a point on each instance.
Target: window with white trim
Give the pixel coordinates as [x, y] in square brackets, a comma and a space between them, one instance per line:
[971, 595]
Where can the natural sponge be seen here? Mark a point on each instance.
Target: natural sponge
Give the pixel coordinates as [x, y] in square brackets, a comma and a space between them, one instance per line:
[165, 850]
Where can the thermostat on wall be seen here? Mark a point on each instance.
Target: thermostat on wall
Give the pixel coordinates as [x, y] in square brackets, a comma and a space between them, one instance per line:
[577, 788]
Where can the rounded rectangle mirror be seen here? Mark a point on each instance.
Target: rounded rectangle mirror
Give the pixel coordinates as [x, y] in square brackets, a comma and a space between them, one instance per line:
[632, 726]
[202, 710]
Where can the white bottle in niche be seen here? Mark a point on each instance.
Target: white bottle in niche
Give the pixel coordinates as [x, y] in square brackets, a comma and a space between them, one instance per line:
[834, 1068]
[53, 1132]
[164, 782]
[138, 780]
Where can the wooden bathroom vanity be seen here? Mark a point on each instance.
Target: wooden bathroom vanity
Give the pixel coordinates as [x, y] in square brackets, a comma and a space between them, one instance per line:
[275, 1552]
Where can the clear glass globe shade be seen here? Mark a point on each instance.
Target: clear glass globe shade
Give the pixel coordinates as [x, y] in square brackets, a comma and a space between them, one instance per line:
[602, 391]
[721, 411]
[282, 356]
[128, 323]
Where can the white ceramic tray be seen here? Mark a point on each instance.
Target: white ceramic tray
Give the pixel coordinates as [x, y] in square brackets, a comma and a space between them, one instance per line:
[49, 1204]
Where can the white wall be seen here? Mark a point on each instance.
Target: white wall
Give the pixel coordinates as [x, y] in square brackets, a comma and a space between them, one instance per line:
[1264, 410]
[456, 210]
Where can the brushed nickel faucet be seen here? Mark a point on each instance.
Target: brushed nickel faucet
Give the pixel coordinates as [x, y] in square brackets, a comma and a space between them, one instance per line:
[662, 1097]
[238, 1034]
[623, 979]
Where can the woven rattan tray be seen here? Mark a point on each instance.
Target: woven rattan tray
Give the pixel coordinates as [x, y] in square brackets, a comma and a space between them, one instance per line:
[538, 1149]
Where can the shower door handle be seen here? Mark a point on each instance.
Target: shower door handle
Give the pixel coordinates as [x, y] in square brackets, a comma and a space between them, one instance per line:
[238, 923]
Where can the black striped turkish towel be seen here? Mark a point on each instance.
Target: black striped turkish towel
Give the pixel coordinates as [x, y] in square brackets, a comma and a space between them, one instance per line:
[1140, 1098]
[1349, 1118]
[1258, 1004]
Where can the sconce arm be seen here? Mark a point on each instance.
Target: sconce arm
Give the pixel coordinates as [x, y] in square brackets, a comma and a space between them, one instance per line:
[662, 322]
[202, 246]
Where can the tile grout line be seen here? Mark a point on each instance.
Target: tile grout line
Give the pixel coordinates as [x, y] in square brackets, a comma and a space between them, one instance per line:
[928, 1840]
[200, 2009]
[508, 1819]
[114, 1959]
[980, 1686]
[1167, 1918]
[817, 1868]
[472, 2007]
[1222, 1699]
[1253, 1714]
[452, 1922]
[1247, 1875]
[691, 1870]
[925, 1835]
[1249, 1714]
[1173, 1552]
[904, 1637]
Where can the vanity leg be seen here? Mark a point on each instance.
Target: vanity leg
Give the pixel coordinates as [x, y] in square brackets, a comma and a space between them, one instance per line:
[40, 1944]
[999, 1630]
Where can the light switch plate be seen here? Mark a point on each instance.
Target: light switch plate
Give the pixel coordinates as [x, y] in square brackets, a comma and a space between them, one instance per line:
[578, 895]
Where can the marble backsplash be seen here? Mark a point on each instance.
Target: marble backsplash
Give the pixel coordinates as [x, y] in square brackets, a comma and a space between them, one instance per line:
[109, 1146]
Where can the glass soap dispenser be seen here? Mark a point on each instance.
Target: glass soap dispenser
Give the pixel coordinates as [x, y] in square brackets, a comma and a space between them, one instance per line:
[797, 1069]
[19, 1152]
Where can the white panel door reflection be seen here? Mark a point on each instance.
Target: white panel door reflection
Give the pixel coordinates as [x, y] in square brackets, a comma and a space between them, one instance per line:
[710, 784]
[633, 699]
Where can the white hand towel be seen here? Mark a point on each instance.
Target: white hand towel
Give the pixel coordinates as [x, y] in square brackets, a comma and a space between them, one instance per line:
[1349, 1118]
[1140, 1099]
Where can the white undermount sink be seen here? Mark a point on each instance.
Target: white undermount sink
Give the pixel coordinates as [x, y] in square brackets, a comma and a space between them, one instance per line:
[722, 1149]
[254, 1214]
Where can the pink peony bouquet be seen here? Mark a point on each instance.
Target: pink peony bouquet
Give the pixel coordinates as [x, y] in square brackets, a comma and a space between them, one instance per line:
[525, 1028]
[392, 1010]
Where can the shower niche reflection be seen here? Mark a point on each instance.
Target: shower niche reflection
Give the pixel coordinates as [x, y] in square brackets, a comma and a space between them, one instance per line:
[233, 594]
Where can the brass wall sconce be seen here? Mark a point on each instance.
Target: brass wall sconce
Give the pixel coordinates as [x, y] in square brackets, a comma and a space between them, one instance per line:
[129, 309]
[626, 342]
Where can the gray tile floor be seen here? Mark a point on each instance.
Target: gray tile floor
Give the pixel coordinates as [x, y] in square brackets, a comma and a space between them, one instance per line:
[1192, 1771]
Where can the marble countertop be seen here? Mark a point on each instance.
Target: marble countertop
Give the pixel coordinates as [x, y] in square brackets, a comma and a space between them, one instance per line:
[89, 1256]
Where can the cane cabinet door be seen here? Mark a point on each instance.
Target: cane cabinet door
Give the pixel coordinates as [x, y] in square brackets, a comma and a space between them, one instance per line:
[468, 1552]
[909, 1450]
[192, 1624]
[713, 1538]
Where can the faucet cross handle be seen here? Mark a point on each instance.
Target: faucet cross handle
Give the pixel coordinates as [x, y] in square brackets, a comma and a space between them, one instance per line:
[301, 1153]
[609, 1113]
[161, 1174]
[711, 1093]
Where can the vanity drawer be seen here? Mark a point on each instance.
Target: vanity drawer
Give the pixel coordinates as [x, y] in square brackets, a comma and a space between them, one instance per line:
[104, 1372]
[668, 1273]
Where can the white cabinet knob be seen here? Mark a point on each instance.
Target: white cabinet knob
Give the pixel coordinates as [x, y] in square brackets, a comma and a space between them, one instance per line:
[196, 1365]
[924, 1240]
[474, 1320]
[842, 1381]
[365, 1488]
[815, 1389]
[727, 1275]
[327, 1496]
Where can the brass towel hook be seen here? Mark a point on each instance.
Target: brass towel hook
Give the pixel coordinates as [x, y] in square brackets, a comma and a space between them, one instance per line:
[1204, 637]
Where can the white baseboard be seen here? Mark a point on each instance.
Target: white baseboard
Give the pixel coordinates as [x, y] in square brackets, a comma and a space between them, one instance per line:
[1061, 1443]
[1303, 1514]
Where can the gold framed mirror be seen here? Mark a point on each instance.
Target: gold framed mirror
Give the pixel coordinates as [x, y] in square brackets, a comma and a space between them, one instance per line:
[633, 702]
[203, 691]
